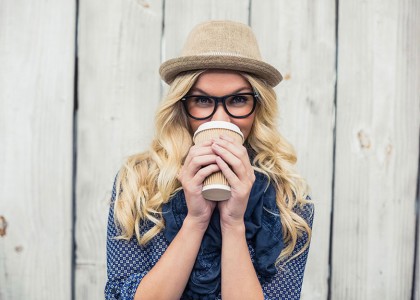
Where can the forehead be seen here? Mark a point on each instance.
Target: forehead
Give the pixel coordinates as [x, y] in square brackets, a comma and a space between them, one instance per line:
[221, 82]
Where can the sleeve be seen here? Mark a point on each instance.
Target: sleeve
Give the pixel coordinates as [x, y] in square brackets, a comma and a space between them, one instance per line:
[287, 283]
[127, 262]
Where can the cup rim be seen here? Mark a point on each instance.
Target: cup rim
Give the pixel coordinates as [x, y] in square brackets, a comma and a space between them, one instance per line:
[218, 124]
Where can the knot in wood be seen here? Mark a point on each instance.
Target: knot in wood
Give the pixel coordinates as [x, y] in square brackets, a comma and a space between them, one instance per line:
[3, 226]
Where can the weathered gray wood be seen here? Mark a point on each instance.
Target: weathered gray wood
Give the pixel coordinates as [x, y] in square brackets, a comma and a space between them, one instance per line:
[377, 150]
[36, 121]
[298, 37]
[119, 88]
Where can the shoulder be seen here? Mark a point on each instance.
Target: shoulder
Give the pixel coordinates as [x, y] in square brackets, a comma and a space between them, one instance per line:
[306, 211]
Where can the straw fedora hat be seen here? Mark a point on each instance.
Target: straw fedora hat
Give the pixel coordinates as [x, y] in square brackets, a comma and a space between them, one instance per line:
[221, 45]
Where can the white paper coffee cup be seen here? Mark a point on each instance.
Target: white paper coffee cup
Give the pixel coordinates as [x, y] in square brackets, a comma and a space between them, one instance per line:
[216, 186]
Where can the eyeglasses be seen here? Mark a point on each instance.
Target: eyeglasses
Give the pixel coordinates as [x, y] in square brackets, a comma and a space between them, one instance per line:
[239, 106]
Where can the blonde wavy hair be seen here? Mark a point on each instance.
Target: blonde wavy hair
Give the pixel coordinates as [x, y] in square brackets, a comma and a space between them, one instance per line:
[148, 180]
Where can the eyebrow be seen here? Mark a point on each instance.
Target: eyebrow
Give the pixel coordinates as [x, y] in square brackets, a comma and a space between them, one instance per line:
[195, 89]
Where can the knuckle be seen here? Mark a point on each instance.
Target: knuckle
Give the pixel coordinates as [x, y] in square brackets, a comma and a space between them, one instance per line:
[236, 164]
[201, 175]
[252, 177]
[195, 160]
[193, 150]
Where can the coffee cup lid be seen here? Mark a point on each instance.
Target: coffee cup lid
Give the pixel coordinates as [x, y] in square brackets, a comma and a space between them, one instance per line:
[219, 124]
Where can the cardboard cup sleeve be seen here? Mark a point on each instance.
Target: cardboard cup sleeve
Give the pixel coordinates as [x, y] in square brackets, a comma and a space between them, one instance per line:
[216, 186]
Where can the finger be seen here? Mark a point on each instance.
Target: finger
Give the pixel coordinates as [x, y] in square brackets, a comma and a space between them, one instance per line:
[227, 172]
[195, 183]
[234, 147]
[203, 173]
[198, 150]
[239, 166]
[198, 162]
[187, 172]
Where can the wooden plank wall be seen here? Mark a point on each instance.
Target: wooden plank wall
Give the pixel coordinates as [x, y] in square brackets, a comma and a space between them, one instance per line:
[300, 40]
[119, 88]
[377, 152]
[350, 103]
[37, 59]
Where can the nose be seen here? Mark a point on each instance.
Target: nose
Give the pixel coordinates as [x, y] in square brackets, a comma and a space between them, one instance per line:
[220, 114]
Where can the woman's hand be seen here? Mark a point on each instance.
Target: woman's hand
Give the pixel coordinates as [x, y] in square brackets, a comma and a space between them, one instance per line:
[240, 176]
[199, 163]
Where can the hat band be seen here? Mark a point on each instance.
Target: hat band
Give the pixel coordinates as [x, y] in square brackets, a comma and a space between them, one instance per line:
[217, 53]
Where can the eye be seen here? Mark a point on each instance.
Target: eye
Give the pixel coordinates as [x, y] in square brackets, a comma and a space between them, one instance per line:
[238, 100]
[202, 101]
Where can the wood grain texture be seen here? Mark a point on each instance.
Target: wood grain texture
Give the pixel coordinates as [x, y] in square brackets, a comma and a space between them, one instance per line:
[378, 121]
[119, 89]
[36, 123]
[300, 42]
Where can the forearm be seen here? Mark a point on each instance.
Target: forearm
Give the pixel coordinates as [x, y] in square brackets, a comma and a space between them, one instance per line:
[239, 279]
[168, 278]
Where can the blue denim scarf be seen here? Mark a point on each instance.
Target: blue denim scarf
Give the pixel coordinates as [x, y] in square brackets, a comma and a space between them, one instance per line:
[263, 233]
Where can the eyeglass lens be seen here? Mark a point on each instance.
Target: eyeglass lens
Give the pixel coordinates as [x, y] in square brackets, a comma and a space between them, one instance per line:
[201, 106]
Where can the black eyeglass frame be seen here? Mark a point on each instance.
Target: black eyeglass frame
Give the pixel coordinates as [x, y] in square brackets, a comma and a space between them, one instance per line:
[255, 97]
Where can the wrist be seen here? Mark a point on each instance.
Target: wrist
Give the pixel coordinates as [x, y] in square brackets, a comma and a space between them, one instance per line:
[196, 223]
[234, 228]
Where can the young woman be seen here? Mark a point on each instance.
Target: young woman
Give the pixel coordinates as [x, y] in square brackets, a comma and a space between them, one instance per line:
[165, 240]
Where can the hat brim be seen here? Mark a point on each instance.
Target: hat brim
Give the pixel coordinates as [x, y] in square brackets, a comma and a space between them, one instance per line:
[171, 68]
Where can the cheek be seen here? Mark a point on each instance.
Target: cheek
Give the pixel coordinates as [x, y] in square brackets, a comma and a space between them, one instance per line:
[194, 124]
[245, 125]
